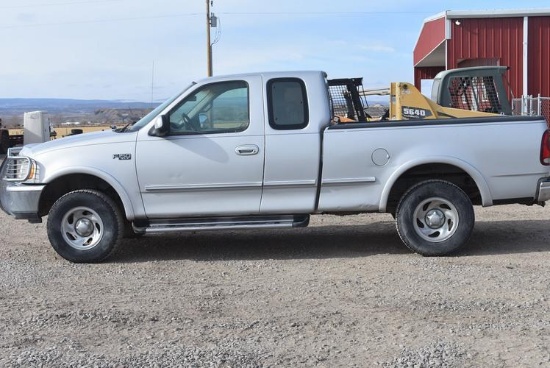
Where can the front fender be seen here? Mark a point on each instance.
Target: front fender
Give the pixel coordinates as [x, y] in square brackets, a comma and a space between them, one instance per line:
[127, 202]
[484, 190]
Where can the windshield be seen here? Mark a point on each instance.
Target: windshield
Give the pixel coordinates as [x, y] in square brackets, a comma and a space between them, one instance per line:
[150, 116]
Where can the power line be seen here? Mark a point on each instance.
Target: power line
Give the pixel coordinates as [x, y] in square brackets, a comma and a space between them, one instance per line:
[327, 13]
[98, 21]
[58, 4]
[26, 25]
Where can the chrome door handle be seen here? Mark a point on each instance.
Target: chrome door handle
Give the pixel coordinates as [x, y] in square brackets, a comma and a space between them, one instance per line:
[247, 150]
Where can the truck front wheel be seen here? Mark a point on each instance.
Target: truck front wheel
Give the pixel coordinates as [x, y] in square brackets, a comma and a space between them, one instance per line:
[435, 218]
[85, 226]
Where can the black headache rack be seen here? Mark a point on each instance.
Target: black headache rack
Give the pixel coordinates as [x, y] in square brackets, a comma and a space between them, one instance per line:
[348, 99]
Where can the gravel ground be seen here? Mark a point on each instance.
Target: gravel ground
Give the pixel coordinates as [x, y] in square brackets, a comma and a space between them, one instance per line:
[344, 292]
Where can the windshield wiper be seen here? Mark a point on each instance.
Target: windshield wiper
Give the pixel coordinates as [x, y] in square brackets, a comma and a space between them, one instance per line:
[124, 128]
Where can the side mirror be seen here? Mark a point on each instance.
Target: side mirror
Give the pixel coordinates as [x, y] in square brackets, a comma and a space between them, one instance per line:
[161, 127]
[203, 120]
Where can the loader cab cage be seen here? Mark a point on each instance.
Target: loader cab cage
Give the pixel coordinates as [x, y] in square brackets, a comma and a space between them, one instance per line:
[475, 88]
[347, 97]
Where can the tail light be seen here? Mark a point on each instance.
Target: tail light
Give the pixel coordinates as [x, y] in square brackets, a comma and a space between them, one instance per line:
[545, 148]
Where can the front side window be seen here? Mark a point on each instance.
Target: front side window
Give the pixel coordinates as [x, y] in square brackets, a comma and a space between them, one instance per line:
[287, 104]
[215, 108]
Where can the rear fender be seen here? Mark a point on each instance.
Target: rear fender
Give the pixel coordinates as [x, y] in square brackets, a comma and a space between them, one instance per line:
[477, 177]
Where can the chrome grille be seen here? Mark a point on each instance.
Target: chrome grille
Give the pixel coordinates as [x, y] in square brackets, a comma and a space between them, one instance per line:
[17, 168]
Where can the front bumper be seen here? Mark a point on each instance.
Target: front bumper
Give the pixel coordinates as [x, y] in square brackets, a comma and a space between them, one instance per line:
[543, 190]
[18, 199]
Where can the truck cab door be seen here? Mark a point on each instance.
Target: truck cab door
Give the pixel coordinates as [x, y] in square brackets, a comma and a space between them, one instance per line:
[292, 145]
[211, 161]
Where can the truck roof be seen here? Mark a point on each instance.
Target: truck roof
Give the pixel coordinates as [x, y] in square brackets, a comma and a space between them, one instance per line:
[267, 75]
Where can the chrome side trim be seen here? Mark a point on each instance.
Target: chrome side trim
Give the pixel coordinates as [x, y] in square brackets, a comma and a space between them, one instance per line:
[235, 186]
[202, 187]
[349, 181]
[290, 183]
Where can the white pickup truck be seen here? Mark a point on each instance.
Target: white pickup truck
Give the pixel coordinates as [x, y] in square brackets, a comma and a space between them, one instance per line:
[262, 151]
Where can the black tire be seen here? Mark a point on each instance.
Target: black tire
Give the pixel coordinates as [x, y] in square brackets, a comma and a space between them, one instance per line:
[85, 226]
[4, 141]
[435, 218]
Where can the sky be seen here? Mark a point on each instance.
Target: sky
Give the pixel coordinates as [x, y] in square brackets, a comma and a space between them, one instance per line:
[149, 50]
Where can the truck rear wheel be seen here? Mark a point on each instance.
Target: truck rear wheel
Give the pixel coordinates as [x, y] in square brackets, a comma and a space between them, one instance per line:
[85, 226]
[435, 218]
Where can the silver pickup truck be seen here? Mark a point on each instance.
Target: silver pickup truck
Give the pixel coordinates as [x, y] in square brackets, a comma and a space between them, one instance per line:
[262, 151]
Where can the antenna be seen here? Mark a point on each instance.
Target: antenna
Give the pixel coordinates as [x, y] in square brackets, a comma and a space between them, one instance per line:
[153, 83]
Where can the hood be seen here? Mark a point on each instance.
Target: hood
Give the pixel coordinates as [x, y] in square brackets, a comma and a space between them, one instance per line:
[78, 140]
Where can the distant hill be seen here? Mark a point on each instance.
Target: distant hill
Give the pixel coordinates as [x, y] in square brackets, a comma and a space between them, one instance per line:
[16, 106]
[61, 110]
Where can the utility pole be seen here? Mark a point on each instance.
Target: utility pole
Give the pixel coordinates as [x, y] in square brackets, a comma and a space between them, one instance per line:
[208, 44]
[211, 22]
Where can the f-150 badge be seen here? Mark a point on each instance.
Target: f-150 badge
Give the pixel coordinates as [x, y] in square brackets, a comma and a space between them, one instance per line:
[122, 156]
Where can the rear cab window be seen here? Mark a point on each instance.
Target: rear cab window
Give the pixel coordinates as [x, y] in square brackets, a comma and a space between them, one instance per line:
[287, 104]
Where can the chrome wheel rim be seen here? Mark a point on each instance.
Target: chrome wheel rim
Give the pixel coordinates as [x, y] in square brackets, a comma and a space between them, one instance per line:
[435, 219]
[82, 228]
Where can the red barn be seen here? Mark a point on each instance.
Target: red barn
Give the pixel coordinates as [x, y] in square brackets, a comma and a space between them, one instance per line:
[519, 39]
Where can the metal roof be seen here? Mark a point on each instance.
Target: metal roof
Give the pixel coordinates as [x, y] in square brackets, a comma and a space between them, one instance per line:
[490, 13]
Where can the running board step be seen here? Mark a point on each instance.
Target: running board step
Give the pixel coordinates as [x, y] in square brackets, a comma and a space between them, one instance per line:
[222, 223]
